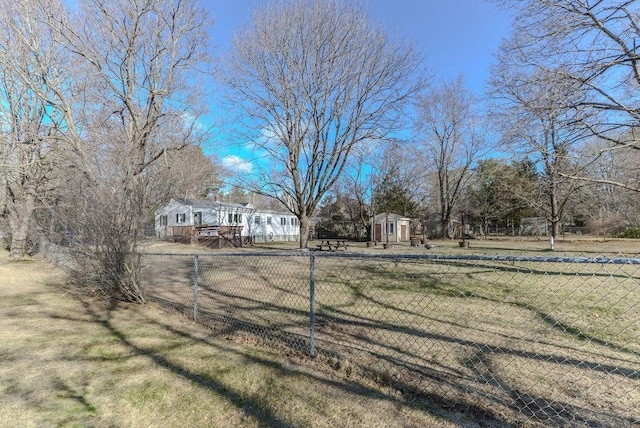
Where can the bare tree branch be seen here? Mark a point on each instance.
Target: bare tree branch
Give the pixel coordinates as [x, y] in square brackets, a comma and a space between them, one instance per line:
[452, 141]
[313, 80]
[594, 45]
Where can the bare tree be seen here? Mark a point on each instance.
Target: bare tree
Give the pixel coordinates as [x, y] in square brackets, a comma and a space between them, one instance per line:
[358, 184]
[186, 173]
[608, 207]
[29, 150]
[144, 59]
[354, 186]
[91, 101]
[536, 115]
[593, 45]
[452, 140]
[344, 211]
[313, 80]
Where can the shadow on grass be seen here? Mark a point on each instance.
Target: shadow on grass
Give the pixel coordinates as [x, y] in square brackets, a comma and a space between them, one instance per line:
[68, 392]
[561, 360]
[580, 335]
[428, 403]
[458, 382]
[247, 405]
[437, 286]
[551, 412]
[481, 266]
[361, 332]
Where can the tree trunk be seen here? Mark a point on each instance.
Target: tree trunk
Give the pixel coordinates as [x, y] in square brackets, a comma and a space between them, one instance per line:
[304, 231]
[555, 228]
[20, 215]
[445, 224]
[130, 272]
[555, 209]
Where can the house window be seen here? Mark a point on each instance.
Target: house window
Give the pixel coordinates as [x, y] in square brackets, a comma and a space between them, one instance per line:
[389, 228]
[268, 220]
[256, 220]
[235, 218]
[164, 220]
[181, 218]
[294, 221]
[283, 221]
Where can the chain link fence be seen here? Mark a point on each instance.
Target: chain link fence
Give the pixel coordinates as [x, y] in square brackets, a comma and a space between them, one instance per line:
[553, 341]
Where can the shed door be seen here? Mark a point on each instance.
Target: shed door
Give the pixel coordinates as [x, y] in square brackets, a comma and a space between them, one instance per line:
[378, 232]
[403, 232]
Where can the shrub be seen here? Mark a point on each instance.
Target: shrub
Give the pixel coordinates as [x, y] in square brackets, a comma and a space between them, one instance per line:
[631, 232]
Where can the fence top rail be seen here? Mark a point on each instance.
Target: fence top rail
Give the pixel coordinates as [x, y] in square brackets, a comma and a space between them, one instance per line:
[465, 257]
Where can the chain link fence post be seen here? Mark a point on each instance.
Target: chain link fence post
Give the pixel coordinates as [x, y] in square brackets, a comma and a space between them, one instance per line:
[312, 305]
[195, 287]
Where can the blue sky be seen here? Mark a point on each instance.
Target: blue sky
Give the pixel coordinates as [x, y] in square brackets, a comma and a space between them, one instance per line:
[456, 36]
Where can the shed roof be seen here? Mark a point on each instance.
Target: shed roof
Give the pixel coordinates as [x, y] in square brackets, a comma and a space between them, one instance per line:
[392, 216]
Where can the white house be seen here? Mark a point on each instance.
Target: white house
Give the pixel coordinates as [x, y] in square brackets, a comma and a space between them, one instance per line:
[259, 225]
[392, 226]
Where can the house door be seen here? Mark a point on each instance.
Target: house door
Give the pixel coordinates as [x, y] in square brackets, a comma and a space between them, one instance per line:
[403, 232]
[378, 232]
[197, 218]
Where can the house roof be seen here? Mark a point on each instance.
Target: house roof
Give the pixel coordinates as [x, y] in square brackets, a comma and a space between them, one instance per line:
[392, 216]
[199, 204]
[210, 204]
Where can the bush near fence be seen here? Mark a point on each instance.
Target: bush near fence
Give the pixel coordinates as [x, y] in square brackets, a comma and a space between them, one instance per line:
[631, 232]
[554, 341]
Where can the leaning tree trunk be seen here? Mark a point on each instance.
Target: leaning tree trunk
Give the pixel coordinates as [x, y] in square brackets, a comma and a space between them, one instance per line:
[445, 224]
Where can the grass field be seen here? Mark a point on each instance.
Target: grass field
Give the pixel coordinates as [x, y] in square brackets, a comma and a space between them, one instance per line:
[401, 343]
[78, 362]
[521, 342]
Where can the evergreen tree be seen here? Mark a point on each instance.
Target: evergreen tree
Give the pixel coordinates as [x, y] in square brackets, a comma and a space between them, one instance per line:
[391, 194]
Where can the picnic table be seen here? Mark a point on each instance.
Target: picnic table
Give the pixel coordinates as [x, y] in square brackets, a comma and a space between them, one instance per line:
[332, 245]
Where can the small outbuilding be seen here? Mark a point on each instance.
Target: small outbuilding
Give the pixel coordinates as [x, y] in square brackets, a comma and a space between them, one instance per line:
[390, 227]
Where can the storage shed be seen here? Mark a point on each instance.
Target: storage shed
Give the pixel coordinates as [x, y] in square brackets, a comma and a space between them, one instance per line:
[395, 227]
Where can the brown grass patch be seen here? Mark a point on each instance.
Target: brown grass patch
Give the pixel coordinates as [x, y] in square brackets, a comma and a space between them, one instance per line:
[78, 362]
[515, 341]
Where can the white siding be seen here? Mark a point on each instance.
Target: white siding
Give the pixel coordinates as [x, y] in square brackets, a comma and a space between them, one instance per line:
[171, 211]
[218, 215]
[276, 231]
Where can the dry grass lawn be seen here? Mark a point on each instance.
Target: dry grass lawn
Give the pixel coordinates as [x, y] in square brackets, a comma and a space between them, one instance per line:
[569, 245]
[555, 343]
[77, 362]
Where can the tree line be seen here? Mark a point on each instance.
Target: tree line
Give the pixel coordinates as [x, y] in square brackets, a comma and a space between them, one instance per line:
[102, 106]
[555, 135]
[99, 106]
